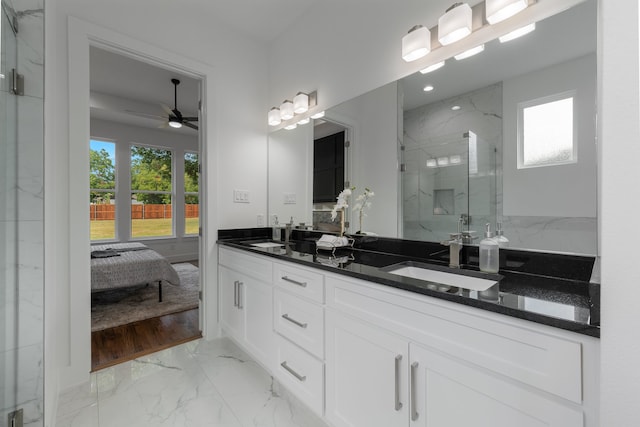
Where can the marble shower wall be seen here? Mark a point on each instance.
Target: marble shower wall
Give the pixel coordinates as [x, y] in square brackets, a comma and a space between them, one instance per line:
[434, 198]
[21, 222]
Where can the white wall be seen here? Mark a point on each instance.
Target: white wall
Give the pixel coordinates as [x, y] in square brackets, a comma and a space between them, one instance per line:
[235, 157]
[619, 146]
[374, 121]
[179, 248]
[521, 187]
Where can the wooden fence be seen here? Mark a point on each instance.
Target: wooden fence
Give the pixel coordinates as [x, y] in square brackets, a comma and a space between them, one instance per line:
[108, 212]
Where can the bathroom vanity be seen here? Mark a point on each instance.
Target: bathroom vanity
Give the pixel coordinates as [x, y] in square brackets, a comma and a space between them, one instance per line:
[362, 346]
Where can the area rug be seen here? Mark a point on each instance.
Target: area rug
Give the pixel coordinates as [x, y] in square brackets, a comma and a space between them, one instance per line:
[127, 305]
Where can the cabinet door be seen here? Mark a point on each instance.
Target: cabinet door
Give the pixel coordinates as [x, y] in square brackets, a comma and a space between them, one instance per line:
[231, 315]
[257, 305]
[366, 369]
[446, 392]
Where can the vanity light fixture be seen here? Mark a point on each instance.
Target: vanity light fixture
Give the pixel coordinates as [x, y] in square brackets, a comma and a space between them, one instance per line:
[304, 121]
[428, 88]
[318, 115]
[433, 67]
[443, 161]
[517, 33]
[291, 126]
[301, 103]
[499, 10]
[286, 110]
[455, 159]
[416, 43]
[468, 53]
[455, 24]
[274, 117]
[431, 163]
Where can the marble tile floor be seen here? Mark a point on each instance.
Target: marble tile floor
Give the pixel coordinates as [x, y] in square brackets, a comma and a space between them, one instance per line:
[199, 383]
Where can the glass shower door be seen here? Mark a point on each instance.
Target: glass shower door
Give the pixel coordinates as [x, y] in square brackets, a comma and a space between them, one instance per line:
[8, 215]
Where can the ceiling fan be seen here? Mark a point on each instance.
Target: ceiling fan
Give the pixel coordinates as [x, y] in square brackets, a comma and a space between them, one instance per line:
[174, 117]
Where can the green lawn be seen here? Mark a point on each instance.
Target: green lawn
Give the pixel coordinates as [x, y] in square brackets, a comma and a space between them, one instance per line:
[141, 228]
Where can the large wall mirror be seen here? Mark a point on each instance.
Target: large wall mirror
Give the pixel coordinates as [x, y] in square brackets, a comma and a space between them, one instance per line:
[506, 136]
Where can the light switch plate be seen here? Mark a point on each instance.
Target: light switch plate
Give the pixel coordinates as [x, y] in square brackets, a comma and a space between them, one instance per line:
[240, 196]
[289, 198]
[260, 220]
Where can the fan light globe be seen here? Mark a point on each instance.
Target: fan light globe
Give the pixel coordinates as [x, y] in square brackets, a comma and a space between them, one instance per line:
[455, 24]
[274, 117]
[286, 110]
[499, 10]
[416, 43]
[301, 103]
[175, 124]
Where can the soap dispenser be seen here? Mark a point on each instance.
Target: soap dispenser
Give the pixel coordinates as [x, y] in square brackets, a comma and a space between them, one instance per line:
[276, 230]
[503, 242]
[489, 252]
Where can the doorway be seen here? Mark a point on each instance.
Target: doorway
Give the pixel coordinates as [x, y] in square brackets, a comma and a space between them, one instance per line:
[144, 189]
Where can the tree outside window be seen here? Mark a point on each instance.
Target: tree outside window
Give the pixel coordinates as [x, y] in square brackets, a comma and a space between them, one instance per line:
[102, 189]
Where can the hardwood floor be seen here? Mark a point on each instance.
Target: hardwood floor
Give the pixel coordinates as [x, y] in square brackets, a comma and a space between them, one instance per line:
[121, 343]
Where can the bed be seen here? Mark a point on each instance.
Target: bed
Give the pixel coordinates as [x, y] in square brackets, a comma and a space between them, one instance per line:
[120, 265]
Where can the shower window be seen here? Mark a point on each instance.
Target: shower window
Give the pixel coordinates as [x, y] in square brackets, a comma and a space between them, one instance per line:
[546, 135]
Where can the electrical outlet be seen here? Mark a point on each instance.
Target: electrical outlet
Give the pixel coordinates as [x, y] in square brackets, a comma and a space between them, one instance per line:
[260, 220]
[240, 196]
[289, 198]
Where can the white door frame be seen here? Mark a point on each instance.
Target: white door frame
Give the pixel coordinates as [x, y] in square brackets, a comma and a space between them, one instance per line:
[82, 35]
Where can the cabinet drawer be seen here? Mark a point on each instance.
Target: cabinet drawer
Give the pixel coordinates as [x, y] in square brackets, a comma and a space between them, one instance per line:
[299, 320]
[301, 373]
[251, 265]
[543, 360]
[299, 281]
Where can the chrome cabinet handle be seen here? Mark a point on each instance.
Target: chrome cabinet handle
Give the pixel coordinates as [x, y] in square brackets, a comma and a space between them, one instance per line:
[295, 282]
[240, 306]
[397, 391]
[292, 372]
[414, 404]
[294, 321]
[235, 293]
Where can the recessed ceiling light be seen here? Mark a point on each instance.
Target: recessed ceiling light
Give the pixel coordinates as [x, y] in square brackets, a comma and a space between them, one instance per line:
[428, 88]
[455, 107]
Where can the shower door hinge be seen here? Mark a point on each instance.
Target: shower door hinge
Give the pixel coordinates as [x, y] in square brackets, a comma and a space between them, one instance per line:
[403, 167]
[347, 184]
[200, 231]
[347, 144]
[17, 83]
[15, 418]
[200, 295]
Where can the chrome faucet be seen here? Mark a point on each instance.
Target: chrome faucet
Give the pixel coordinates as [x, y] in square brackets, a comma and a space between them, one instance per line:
[456, 242]
[455, 246]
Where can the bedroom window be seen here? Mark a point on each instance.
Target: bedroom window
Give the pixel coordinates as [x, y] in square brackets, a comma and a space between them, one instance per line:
[151, 192]
[102, 189]
[191, 201]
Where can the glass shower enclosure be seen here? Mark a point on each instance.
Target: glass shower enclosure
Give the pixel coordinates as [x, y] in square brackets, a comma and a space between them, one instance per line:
[448, 180]
[21, 215]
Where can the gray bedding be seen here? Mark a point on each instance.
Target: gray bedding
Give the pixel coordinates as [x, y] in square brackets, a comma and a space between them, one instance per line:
[135, 264]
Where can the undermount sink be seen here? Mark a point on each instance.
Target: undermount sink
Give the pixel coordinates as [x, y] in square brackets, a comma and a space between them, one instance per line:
[465, 279]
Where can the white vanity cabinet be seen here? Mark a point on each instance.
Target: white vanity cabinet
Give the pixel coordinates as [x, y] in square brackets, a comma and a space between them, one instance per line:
[361, 354]
[246, 303]
[299, 321]
[402, 359]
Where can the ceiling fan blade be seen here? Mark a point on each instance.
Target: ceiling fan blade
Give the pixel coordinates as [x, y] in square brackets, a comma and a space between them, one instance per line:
[166, 109]
[141, 114]
[191, 119]
[164, 125]
[190, 125]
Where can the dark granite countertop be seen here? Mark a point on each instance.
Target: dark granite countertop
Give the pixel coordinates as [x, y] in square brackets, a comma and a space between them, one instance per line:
[567, 302]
